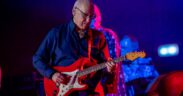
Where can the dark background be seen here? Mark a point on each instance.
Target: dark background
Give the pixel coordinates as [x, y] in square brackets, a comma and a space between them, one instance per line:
[24, 23]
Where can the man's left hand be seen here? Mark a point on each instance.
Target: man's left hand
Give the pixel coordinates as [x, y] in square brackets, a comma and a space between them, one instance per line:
[110, 66]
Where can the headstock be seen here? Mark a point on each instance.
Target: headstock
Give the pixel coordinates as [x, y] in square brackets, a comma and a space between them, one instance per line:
[134, 55]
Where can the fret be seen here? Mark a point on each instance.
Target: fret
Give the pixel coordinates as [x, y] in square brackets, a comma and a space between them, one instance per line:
[98, 67]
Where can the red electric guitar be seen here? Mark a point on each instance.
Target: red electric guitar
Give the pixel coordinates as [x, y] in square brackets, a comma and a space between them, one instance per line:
[75, 73]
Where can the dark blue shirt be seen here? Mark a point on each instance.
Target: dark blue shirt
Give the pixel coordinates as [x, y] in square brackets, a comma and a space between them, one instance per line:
[62, 46]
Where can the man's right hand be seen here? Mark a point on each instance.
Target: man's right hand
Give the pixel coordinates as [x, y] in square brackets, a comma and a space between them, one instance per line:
[60, 78]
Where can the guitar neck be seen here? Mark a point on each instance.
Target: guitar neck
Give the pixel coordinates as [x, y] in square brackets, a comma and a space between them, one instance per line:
[98, 67]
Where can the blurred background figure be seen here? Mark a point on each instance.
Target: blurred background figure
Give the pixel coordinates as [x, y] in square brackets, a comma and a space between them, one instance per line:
[112, 38]
[138, 73]
[118, 87]
[128, 44]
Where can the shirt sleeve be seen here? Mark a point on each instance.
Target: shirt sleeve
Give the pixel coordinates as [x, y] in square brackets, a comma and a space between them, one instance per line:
[42, 57]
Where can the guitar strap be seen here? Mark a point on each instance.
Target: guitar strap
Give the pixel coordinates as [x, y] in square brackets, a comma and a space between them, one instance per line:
[90, 40]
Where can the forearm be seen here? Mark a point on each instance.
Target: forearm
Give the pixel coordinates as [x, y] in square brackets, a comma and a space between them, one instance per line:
[42, 67]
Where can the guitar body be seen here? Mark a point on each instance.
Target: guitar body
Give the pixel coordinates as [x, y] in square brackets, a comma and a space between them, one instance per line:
[74, 83]
[77, 72]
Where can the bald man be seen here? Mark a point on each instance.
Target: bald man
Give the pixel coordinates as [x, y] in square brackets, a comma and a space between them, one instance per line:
[70, 48]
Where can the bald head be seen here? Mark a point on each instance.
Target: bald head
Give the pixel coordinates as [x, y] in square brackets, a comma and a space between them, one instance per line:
[84, 5]
[82, 13]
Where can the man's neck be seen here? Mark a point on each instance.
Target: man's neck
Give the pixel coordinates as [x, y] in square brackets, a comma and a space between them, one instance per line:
[81, 32]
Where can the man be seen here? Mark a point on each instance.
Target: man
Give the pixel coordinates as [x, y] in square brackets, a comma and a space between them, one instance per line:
[65, 44]
[111, 37]
[138, 73]
[114, 48]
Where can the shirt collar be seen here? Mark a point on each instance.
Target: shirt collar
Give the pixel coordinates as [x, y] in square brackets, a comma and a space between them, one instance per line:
[72, 27]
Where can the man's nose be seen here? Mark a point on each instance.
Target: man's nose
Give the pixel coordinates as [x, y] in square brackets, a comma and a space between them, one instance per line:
[88, 19]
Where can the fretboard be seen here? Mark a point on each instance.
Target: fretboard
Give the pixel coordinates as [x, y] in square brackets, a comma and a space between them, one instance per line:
[98, 67]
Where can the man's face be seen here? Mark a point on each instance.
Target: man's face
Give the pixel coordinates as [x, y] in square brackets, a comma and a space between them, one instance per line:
[83, 17]
[127, 45]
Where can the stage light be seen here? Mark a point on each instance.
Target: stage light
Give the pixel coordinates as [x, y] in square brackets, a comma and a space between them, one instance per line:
[163, 51]
[168, 50]
[172, 50]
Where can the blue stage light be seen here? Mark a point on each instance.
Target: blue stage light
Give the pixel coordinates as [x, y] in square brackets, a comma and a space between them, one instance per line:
[163, 51]
[168, 50]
